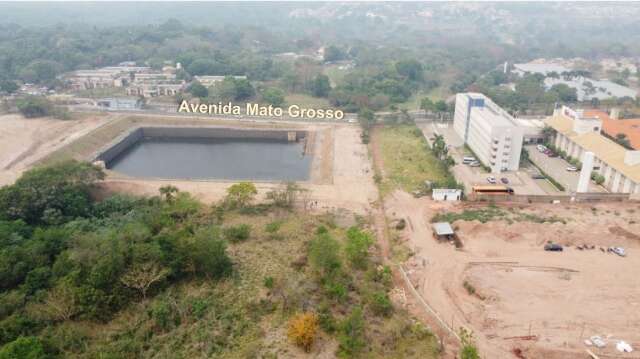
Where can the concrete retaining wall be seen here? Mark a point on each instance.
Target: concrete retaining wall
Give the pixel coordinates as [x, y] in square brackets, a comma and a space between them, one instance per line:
[128, 139]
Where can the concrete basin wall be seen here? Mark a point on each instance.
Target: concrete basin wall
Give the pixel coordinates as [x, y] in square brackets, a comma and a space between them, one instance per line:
[123, 142]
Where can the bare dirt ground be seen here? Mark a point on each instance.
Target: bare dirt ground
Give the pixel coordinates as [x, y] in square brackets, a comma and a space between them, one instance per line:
[25, 141]
[520, 290]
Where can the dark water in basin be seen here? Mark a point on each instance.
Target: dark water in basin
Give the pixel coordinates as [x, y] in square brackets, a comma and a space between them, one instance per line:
[214, 158]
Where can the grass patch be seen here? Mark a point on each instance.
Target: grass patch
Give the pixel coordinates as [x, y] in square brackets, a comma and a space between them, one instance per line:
[408, 160]
[306, 101]
[494, 213]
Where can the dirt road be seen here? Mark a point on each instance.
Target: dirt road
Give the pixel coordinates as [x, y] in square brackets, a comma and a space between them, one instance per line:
[520, 290]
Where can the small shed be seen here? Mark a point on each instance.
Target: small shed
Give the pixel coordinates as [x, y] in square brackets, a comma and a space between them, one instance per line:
[446, 194]
[443, 231]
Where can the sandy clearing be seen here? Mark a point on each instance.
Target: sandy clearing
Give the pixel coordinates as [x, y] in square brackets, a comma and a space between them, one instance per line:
[525, 289]
[25, 141]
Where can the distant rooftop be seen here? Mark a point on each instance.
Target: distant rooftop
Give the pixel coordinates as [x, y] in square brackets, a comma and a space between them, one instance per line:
[544, 69]
[630, 127]
[603, 148]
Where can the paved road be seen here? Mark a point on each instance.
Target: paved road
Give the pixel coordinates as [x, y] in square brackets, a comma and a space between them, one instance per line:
[556, 167]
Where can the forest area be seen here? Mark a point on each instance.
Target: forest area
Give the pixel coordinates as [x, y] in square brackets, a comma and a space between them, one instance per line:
[336, 58]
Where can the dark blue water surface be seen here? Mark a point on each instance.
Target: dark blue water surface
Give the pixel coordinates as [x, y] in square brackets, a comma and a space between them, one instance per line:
[214, 158]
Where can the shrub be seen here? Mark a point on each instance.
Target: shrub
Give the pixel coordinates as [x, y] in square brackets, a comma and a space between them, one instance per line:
[351, 336]
[62, 188]
[469, 287]
[163, 315]
[241, 194]
[23, 348]
[380, 304]
[302, 330]
[237, 233]
[336, 290]
[357, 247]
[273, 227]
[15, 326]
[469, 349]
[268, 282]
[209, 256]
[324, 255]
[35, 106]
[326, 319]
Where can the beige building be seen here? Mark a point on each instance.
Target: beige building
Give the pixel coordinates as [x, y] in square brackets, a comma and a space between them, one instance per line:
[105, 77]
[577, 133]
[155, 89]
[208, 81]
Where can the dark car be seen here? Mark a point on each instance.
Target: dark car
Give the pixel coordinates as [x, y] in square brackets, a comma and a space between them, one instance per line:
[553, 154]
[553, 247]
[504, 180]
[537, 176]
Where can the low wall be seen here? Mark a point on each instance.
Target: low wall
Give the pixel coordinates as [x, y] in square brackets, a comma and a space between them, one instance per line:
[128, 139]
[579, 197]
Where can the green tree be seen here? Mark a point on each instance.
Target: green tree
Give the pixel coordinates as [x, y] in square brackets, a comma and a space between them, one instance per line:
[24, 348]
[564, 92]
[412, 69]
[427, 105]
[8, 86]
[40, 71]
[357, 247]
[324, 255]
[62, 187]
[273, 96]
[334, 53]
[208, 253]
[622, 140]
[34, 106]
[440, 106]
[241, 194]
[320, 86]
[244, 89]
[351, 338]
[469, 349]
[169, 192]
[198, 90]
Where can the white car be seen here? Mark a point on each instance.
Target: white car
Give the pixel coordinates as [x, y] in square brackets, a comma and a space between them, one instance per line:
[541, 148]
[572, 169]
[618, 250]
[491, 180]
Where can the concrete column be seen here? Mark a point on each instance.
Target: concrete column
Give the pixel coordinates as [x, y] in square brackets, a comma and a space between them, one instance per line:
[585, 173]
[626, 185]
[616, 181]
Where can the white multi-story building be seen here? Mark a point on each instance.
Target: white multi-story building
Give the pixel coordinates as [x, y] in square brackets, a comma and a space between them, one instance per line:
[577, 133]
[492, 134]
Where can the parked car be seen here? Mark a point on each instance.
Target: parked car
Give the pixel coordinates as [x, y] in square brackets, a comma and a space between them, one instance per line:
[552, 154]
[618, 250]
[546, 151]
[504, 180]
[537, 176]
[468, 159]
[572, 169]
[541, 148]
[491, 180]
[474, 164]
[553, 247]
